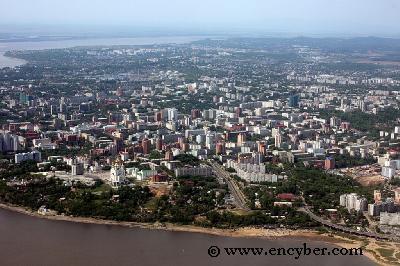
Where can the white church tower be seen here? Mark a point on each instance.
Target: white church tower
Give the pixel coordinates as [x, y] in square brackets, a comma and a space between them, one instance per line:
[117, 175]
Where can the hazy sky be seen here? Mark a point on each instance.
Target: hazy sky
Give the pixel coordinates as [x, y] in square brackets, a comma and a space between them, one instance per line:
[360, 17]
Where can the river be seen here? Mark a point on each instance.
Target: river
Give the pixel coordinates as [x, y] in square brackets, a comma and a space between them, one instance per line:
[27, 240]
[68, 43]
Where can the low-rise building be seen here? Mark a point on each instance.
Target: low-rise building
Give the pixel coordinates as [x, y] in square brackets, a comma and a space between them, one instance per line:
[387, 218]
[194, 171]
[34, 155]
[140, 174]
[77, 168]
[253, 172]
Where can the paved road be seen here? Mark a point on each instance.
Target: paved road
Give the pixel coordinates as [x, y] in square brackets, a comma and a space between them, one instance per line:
[238, 196]
[241, 203]
[372, 224]
[346, 229]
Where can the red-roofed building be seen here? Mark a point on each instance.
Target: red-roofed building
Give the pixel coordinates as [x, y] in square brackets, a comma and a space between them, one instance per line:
[286, 196]
[159, 178]
[32, 135]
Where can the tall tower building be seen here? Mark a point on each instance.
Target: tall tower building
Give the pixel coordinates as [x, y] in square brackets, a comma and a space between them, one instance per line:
[278, 140]
[397, 195]
[262, 147]
[241, 139]
[329, 163]
[334, 121]
[361, 105]
[220, 148]
[195, 113]
[238, 112]
[169, 155]
[172, 114]
[159, 143]
[158, 116]
[294, 100]
[377, 196]
[146, 146]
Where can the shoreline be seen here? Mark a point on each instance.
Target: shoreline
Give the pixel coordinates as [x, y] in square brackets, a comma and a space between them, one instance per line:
[238, 232]
[11, 62]
[92, 42]
[246, 232]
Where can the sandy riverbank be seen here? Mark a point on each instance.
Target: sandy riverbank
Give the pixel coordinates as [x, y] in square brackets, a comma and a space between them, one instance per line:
[369, 246]
[240, 232]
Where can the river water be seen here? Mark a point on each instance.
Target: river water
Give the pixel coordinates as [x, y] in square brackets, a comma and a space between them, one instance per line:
[27, 240]
[58, 44]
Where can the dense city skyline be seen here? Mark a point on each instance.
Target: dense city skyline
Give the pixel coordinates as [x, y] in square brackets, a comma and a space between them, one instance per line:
[266, 127]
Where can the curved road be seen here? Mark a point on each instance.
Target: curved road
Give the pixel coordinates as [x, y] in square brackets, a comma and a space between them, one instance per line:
[346, 229]
[241, 203]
